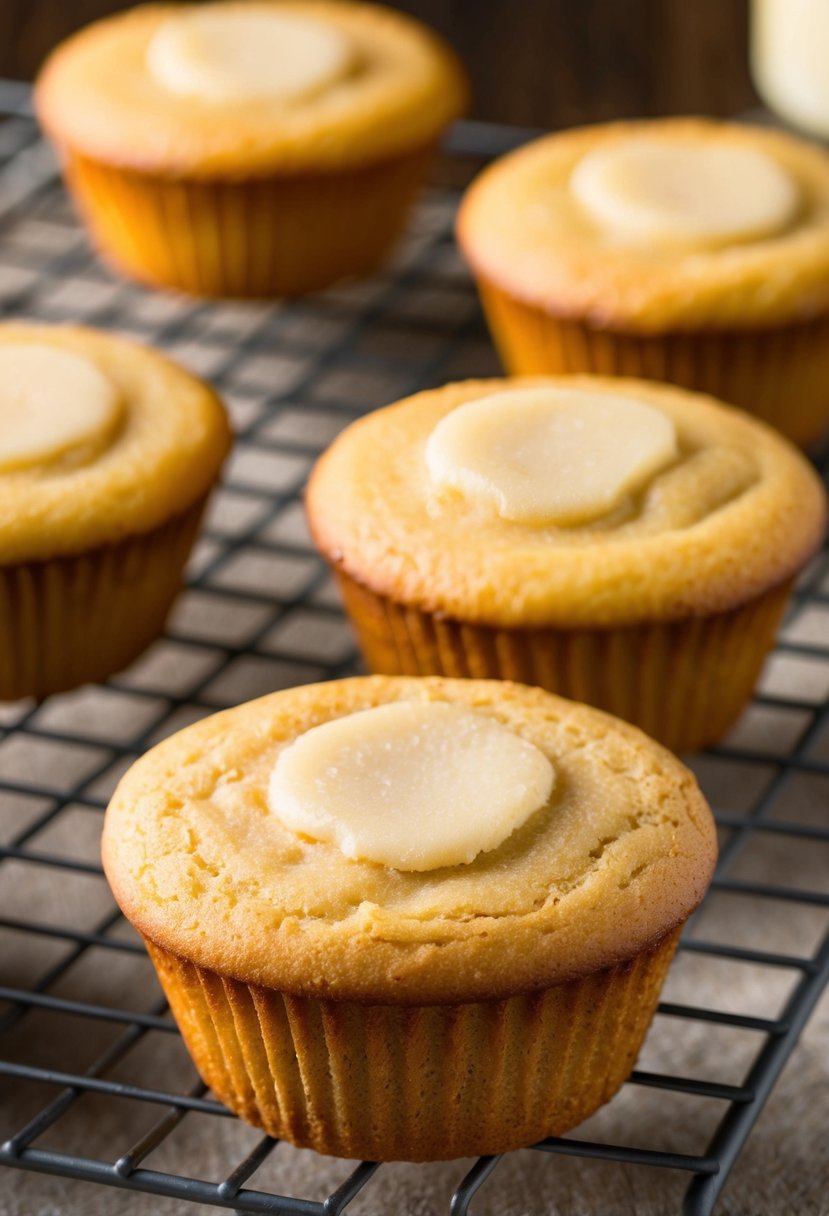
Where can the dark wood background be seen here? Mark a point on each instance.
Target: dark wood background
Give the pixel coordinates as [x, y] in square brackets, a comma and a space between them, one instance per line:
[535, 62]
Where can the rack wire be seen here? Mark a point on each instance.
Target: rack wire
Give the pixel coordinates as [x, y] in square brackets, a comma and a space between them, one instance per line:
[260, 613]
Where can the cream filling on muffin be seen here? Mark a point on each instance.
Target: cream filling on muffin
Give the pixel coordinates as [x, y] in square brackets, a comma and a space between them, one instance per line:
[222, 53]
[54, 404]
[549, 456]
[411, 785]
[667, 191]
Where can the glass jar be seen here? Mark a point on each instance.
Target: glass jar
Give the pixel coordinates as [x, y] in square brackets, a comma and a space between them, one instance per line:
[790, 60]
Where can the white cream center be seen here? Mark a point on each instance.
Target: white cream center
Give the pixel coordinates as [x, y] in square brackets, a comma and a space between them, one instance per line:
[52, 402]
[549, 456]
[670, 191]
[225, 53]
[415, 785]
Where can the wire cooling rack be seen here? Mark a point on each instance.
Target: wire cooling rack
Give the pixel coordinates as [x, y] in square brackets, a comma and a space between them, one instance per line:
[93, 1083]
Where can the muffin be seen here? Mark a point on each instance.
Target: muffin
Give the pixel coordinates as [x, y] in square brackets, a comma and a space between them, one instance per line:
[248, 148]
[624, 543]
[107, 455]
[402, 919]
[683, 250]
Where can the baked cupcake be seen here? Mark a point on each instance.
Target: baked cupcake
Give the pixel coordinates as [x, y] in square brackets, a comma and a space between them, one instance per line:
[107, 455]
[683, 250]
[623, 543]
[248, 148]
[407, 919]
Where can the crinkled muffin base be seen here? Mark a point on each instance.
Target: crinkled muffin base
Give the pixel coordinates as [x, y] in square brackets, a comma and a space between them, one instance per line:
[78, 619]
[268, 236]
[411, 1082]
[683, 682]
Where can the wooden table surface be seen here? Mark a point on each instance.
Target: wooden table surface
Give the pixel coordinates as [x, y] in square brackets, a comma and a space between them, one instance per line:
[535, 62]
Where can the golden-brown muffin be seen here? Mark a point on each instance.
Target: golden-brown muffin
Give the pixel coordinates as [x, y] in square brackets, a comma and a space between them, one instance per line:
[658, 605]
[684, 250]
[421, 1009]
[108, 452]
[252, 147]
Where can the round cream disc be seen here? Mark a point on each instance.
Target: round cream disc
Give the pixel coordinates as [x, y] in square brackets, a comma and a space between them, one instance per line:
[671, 191]
[51, 402]
[223, 53]
[415, 785]
[549, 456]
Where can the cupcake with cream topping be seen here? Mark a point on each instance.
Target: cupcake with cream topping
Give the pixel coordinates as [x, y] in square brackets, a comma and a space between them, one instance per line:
[248, 147]
[403, 919]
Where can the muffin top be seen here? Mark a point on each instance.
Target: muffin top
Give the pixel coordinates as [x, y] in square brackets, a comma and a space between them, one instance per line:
[305, 844]
[101, 438]
[250, 87]
[652, 225]
[571, 501]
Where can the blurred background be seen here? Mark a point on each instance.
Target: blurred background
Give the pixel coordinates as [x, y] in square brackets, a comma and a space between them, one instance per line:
[606, 59]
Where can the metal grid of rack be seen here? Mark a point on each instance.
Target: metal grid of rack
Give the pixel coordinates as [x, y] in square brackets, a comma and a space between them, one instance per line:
[260, 613]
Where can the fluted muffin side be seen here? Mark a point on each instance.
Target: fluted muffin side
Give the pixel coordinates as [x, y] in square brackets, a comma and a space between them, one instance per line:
[80, 618]
[683, 682]
[415, 1083]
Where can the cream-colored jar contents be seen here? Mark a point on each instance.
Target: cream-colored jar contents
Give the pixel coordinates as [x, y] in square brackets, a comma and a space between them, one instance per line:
[52, 403]
[660, 191]
[549, 456]
[790, 60]
[415, 785]
[221, 53]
